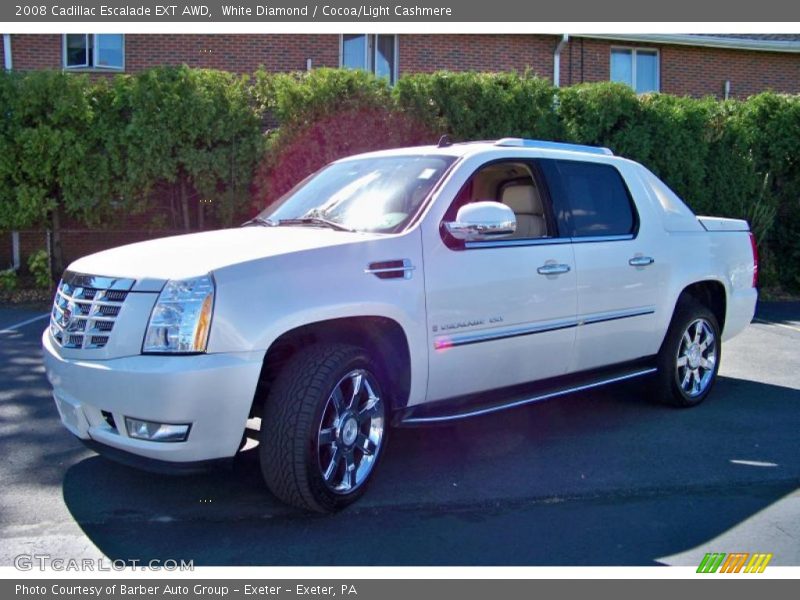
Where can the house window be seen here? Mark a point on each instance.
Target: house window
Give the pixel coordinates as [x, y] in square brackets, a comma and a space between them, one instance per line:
[636, 67]
[94, 51]
[375, 53]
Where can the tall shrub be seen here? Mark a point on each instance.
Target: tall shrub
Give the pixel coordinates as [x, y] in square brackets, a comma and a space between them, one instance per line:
[91, 150]
[667, 133]
[194, 130]
[475, 106]
[52, 160]
[299, 99]
[600, 114]
[322, 116]
[769, 124]
[342, 133]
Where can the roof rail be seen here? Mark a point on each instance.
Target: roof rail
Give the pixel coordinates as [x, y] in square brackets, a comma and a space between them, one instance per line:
[511, 142]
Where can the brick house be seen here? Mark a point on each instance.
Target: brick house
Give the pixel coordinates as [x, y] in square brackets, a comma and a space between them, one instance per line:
[697, 65]
[734, 66]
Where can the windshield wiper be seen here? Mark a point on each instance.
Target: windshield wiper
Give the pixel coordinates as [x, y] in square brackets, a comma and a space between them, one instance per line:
[263, 221]
[315, 221]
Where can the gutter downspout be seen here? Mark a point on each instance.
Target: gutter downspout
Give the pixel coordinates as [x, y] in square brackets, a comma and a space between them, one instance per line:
[557, 59]
[8, 66]
[7, 50]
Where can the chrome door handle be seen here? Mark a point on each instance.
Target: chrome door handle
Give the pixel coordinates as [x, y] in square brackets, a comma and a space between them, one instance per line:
[641, 261]
[552, 269]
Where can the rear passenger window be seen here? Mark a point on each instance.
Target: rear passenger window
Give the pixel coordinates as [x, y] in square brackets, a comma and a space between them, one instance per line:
[590, 199]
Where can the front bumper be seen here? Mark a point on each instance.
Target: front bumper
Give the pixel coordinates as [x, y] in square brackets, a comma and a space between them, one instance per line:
[153, 465]
[212, 392]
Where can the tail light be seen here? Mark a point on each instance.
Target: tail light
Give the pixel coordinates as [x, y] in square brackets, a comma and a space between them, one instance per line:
[755, 259]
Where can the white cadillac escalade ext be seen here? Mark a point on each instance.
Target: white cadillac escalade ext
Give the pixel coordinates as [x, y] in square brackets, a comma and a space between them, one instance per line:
[403, 287]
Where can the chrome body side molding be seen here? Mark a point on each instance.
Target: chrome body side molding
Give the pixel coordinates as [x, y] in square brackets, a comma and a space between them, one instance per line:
[474, 337]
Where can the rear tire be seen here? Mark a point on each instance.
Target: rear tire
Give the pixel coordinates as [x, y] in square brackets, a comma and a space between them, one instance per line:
[324, 427]
[689, 358]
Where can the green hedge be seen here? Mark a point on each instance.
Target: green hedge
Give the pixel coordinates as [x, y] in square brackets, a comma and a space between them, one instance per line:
[732, 158]
[95, 150]
[90, 148]
[481, 106]
[725, 158]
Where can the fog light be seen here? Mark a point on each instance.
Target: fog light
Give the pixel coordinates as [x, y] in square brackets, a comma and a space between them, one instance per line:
[156, 432]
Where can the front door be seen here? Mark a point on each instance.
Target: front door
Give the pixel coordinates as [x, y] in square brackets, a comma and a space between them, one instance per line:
[501, 312]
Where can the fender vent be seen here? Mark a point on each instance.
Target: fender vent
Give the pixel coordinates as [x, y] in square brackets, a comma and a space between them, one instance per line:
[391, 269]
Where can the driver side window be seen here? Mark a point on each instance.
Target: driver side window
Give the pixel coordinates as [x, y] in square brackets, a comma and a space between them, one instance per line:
[511, 183]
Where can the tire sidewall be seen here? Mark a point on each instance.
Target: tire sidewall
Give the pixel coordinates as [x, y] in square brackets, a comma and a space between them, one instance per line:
[329, 500]
[687, 313]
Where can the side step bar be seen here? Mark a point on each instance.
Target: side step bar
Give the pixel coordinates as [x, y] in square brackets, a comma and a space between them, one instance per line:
[424, 417]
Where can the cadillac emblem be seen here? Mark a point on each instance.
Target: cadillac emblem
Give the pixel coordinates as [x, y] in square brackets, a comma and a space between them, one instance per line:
[68, 316]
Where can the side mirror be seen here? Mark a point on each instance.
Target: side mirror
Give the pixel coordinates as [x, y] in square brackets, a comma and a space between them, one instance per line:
[480, 221]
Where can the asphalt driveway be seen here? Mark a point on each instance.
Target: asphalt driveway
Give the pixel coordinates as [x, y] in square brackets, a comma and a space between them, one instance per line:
[605, 477]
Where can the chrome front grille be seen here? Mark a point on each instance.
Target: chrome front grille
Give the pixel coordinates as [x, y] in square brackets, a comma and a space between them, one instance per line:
[85, 309]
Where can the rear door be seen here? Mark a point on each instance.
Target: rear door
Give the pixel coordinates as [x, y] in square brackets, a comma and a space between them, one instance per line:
[619, 273]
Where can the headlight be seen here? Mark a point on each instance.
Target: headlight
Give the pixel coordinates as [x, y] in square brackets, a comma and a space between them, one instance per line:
[181, 317]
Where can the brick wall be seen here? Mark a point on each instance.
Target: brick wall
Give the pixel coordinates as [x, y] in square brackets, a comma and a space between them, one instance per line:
[237, 53]
[584, 59]
[691, 70]
[427, 53]
[36, 51]
[29, 242]
[288, 52]
[700, 71]
[684, 69]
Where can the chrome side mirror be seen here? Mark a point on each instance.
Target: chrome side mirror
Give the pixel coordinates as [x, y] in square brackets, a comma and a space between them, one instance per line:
[479, 221]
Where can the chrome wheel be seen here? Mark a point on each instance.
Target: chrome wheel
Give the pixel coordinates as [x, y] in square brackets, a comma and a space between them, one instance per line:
[697, 358]
[350, 432]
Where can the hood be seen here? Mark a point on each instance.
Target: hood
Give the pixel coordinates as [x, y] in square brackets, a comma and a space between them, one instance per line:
[178, 257]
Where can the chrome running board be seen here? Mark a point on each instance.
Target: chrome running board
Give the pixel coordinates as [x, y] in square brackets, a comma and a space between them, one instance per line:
[411, 420]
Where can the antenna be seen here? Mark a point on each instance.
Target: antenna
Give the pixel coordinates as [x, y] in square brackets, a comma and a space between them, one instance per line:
[444, 141]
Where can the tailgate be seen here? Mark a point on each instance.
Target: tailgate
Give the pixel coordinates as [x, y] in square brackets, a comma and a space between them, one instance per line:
[723, 224]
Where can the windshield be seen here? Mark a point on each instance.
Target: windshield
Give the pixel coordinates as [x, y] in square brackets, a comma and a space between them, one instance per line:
[364, 194]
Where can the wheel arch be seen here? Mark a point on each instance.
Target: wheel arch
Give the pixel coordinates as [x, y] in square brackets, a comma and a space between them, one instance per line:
[383, 337]
[671, 388]
[711, 293]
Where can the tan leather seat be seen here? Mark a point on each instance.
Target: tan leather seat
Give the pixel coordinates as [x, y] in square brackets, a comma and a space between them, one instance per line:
[524, 200]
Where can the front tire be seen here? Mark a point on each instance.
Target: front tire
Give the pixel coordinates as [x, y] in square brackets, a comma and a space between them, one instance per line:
[689, 358]
[324, 427]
